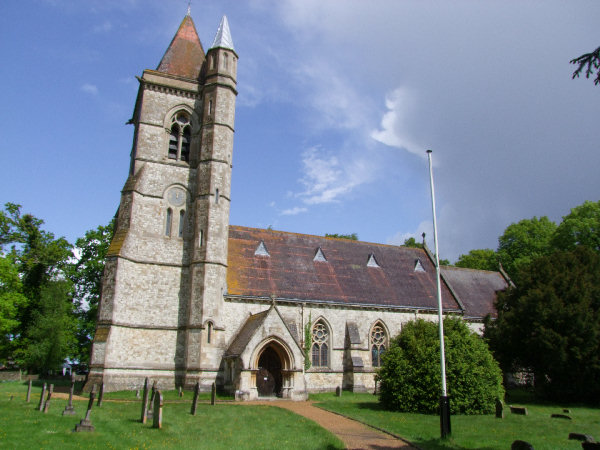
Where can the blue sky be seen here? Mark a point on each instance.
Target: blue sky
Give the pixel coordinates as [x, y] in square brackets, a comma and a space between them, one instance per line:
[338, 101]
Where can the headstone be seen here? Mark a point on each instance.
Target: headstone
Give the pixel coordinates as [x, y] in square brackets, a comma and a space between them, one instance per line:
[151, 403]
[499, 409]
[86, 423]
[195, 401]
[101, 395]
[180, 391]
[560, 416]
[158, 406]
[28, 399]
[47, 404]
[213, 393]
[581, 437]
[590, 445]
[521, 445]
[145, 402]
[518, 410]
[338, 391]
[567, 411]
[137, 393]
[69, 410]
[41, 405]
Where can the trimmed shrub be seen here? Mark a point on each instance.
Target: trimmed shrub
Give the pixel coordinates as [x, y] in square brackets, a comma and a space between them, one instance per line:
[410, 374]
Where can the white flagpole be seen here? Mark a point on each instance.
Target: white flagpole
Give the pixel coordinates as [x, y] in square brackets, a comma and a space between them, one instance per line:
[445, 407]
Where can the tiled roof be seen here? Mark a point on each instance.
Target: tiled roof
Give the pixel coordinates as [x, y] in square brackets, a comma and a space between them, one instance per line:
[185, 54]
[246, 332]
[475, 288]
[290, 272]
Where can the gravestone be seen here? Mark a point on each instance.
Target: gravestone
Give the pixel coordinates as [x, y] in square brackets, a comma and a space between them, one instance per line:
[145, 402]
[195, 400]
[518, 410]
[213, 393]
[180, 391]
[151, 403]
[69, 410]
[86, 423]
[137, 393]
[560, 416]
[158, 407]
[47, 404]
[499, 409]
[590, 445]
[28, 399]
[581, 437]
[101, 395]
[41, 405]
[338, 391]
[567, 411]
[521, 445]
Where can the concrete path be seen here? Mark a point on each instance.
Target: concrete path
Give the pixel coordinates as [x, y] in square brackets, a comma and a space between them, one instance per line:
[354, 434]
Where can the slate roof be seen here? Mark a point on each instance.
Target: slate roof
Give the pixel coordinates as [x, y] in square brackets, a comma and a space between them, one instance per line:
[185, 54]
[473, 286]
[242, 337]
[290, 272]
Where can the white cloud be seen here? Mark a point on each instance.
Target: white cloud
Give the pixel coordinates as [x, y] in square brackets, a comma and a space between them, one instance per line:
[105, 27]
[293, 211]
[88, 88]
[424, 227]
[394, 130]
[326, 177]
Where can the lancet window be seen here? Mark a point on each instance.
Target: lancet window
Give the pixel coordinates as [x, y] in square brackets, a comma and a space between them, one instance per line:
[378, 340]
[180, 137]
[320, 346]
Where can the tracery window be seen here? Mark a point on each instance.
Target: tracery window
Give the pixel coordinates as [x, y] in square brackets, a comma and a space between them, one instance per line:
[180, 137]
[320, 346]
[378, 340]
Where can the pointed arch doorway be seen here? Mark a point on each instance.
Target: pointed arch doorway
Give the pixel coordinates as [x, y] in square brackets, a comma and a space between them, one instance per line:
[269, 379]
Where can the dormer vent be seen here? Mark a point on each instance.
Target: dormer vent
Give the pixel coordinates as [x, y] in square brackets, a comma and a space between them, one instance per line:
[319, 256]
[372, 262]
[418, 266]
[261, 250]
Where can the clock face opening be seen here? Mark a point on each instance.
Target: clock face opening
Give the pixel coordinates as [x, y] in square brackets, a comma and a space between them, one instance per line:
[176, 196]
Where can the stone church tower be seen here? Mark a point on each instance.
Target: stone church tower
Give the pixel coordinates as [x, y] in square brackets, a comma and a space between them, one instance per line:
[166, 269]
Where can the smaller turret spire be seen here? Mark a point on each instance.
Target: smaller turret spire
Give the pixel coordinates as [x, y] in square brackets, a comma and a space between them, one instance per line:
[223, 36]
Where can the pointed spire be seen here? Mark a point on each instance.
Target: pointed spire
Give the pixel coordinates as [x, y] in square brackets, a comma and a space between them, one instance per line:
[185, 54]
[223, 36]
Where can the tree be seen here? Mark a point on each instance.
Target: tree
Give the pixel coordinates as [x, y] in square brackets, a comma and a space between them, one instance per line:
[481, 259]
[580, 227]
[524, 241]
[410, 373]
[86, 275]
[591, 63]
[11, 300]
[352, 237]
[412, 243]
[549, 324]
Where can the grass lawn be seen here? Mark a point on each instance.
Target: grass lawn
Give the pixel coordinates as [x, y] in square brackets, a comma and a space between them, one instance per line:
[118, 426]
[476, 432]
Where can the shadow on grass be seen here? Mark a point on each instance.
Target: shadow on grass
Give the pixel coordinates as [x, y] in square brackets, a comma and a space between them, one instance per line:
[440, 444]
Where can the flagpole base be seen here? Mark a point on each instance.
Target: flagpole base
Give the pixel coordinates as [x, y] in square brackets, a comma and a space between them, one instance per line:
[445, 427]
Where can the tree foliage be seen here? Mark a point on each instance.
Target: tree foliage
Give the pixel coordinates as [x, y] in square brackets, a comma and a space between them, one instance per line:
[11, 301]
[410, 373]
[580, 227]
[481, 259]
[352, 237]
[411, 242]
[588, 63]
[550, 325]
[86, 275]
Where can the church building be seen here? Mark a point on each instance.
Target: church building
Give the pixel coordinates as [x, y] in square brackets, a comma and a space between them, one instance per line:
[189, 298]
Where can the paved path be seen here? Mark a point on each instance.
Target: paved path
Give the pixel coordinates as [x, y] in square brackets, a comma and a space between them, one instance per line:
[354, 434]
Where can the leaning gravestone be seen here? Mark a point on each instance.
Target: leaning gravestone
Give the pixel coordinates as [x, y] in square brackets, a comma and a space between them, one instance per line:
[41, 405]
[195, 401]
[158, 406]
[145, 402]
[101, 395]
[152, 395]
[47, 404]
[560, 416]
[28, 399]
[499, 409]
[581, 437]
[213, 393]
[86, 423]
[590, 445]
[521, 445]
[69, 410]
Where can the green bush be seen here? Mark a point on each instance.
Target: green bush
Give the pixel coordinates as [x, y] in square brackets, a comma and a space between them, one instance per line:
[410, 373]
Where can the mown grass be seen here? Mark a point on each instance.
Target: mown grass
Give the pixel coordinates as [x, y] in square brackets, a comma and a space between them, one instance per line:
[117, 425]
[472, 432]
